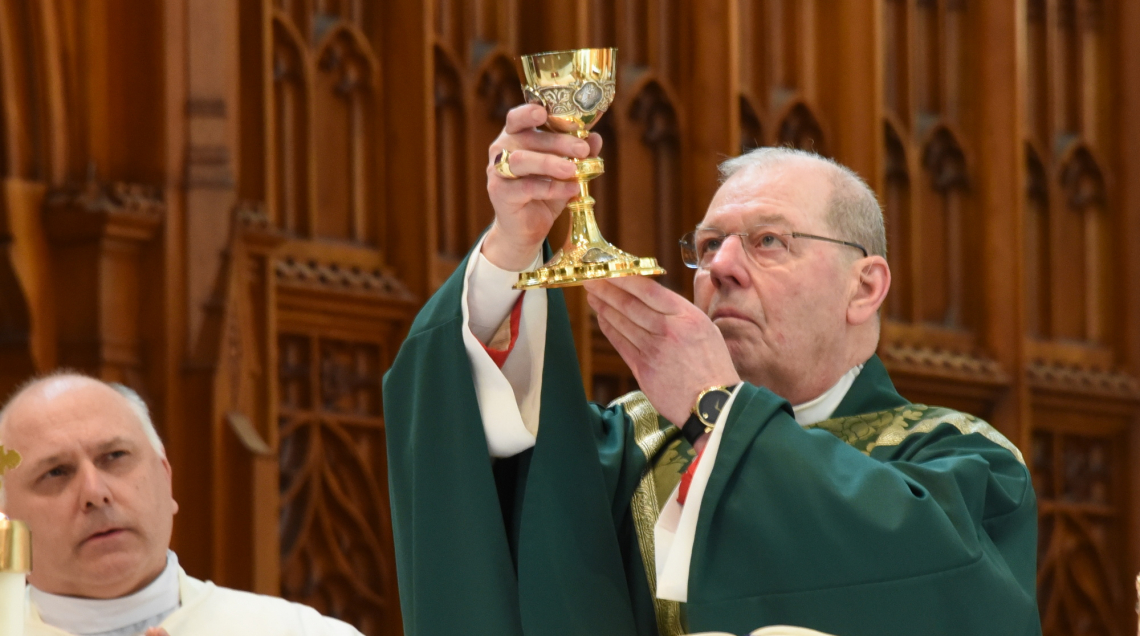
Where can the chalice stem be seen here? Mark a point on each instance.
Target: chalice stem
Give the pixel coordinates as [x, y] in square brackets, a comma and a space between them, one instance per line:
[583, 226]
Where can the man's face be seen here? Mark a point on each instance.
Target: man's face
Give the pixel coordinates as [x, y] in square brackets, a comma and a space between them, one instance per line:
[783, 322]
[93, 491]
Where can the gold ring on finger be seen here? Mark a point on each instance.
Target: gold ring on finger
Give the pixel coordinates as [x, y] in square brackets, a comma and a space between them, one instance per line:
[503, 165]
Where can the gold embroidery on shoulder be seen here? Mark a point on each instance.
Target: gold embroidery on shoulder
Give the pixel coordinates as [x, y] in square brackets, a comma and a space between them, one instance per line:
[650, 439]
[965, 423]
[889, 428]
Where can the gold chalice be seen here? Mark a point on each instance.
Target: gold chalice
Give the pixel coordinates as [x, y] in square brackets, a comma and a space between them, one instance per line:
[576, 87]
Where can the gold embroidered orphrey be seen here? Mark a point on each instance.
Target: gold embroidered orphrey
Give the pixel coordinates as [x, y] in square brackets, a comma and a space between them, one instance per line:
[864, 432]
[9, 459]
[646, 504]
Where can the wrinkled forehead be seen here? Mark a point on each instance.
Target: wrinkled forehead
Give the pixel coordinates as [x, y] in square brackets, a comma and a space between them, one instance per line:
[793, 195]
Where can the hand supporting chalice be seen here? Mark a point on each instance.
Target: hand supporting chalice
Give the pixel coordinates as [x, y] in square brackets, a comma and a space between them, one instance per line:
[576, 88]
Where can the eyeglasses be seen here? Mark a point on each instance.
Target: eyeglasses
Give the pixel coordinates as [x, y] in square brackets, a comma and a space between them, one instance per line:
[765, 245]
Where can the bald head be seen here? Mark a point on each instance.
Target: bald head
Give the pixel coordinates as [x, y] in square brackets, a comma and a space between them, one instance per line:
[54, 384]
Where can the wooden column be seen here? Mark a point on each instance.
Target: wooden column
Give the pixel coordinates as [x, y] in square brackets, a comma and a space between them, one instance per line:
[97, 234]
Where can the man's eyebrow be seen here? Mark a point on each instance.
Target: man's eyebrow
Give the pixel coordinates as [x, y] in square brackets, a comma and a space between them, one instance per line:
[762, 219]
[59, 458]
[115, 442]
[51, 461]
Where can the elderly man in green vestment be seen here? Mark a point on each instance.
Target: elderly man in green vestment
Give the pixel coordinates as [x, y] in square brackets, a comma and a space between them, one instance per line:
[766, 473]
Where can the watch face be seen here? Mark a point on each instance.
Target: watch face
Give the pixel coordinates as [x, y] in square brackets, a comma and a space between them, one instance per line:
[711, 404]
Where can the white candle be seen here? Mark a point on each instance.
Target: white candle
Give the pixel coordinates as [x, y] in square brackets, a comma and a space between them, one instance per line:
[12, 603]
[15, 562]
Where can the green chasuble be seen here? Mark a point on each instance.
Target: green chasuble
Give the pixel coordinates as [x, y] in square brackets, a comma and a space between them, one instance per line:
[889, 519]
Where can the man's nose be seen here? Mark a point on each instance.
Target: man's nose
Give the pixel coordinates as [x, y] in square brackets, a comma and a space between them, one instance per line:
[729, 264]
[94, 490]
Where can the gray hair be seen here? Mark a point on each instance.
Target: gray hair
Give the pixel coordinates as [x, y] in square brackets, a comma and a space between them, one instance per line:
[853, 211]
[134, 402]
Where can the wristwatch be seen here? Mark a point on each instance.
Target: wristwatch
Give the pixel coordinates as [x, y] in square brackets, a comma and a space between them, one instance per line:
[706, 411]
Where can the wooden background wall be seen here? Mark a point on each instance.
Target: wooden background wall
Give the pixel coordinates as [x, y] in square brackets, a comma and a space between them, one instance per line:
[237, 206]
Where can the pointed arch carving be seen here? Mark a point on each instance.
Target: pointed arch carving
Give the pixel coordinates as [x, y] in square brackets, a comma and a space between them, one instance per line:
[751, 128]
[655, 120]
[605, 190]
[1082, 238]
[344, 113]
[291, 98]
[1082, 178]
[653, 108]
[498, 87]
[344, 40]
[450, 157]
[800, 128]
[1036, 244]
[897, 209]
[945, 161]
[945, 236]
[496, 90]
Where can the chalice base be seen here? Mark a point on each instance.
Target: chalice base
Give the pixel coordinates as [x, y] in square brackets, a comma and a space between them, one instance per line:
[578, 263]
[586, 255]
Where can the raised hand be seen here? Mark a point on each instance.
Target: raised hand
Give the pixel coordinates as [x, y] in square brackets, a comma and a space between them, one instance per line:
[671, 346]
[526, 207]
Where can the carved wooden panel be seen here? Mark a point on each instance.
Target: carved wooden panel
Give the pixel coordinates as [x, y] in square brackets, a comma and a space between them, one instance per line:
[326, 84]
[1070, 213]
[775, 79]
[1073, 292]
[334, 511]
[1082, 588]
[339, 308]
[931, 217]
[341, 315]
[475, 83]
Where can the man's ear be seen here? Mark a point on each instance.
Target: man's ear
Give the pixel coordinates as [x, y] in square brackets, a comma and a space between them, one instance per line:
[870, 289]
[170, 482]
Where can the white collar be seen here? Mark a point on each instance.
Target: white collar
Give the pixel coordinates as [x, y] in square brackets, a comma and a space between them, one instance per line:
[99, 616]
[820, 408]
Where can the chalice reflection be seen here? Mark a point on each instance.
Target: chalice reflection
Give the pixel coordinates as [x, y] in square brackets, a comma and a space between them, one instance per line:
[576, 88]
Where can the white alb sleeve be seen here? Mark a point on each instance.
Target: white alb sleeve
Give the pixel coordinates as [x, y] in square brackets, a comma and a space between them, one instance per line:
[676, 527]
[509, 398]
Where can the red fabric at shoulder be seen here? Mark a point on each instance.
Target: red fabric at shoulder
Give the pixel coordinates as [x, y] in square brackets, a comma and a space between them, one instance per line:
[499, 356]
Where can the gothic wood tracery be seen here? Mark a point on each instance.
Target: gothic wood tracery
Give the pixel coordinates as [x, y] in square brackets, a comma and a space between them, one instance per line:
[801, 129]
[899, 225]
[946, 231]
[326, 79]
[333, 480]
[304, 173]
[1081, 587]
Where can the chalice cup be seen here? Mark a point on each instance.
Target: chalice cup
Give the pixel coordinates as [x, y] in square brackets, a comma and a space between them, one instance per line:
[576, 88]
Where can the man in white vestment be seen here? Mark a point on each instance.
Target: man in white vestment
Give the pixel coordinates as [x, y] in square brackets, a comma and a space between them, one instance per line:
[95, 489]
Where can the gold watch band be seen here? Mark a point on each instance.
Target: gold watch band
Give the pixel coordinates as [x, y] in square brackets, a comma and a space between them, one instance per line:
[704, 417]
